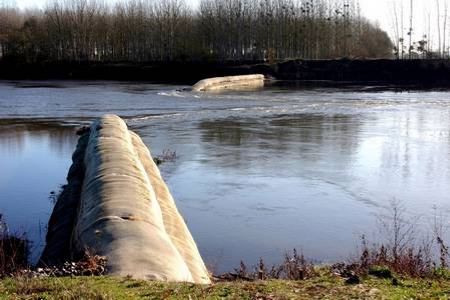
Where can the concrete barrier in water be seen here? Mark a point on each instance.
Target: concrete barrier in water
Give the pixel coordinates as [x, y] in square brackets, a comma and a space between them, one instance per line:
[230, 82]
[125, 211]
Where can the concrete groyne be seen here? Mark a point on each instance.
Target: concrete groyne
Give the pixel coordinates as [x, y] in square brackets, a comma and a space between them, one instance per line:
[117, 205]
[230, 82]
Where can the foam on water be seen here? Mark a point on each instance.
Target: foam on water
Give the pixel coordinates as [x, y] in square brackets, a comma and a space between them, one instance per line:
[173, 93]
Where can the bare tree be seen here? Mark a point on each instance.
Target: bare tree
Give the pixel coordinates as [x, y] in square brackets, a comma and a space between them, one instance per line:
[168, 30]
[444, 27]
[410, 32]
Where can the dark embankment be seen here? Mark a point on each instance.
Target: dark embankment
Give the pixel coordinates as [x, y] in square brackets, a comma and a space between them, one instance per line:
[415, 72]
[366, 71]
[185, 73]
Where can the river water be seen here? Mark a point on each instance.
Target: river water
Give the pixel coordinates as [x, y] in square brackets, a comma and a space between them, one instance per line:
[257, 173]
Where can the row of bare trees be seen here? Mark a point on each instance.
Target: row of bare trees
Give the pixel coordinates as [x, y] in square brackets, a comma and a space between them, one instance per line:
[170, 30]
[420, 28]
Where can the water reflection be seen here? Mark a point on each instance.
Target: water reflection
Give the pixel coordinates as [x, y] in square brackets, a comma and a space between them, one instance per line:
[228, 132]
[34, 159]
[306, 128]
[283, 139]
[15, 133]
[340, 168]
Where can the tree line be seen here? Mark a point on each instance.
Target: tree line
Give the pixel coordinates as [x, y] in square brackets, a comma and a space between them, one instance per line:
[170, 30]
[420, 28]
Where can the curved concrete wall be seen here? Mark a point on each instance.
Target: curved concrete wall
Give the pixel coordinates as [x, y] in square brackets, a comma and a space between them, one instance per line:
[126, 212]
[230, 82]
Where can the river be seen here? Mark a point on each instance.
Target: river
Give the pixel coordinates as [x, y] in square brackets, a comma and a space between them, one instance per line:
[257, 173]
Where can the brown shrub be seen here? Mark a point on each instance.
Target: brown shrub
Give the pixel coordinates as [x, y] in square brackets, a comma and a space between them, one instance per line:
[293, 267]
[14, 251]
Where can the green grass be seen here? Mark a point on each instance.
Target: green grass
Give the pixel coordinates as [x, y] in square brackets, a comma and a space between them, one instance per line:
[324, 286]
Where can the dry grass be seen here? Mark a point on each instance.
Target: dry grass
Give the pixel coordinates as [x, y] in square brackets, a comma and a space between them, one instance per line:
[89, 264]
[166, 156]
[293, 267]
[322, 286]
[411, 261]
[14, 251]
[36, 288]
[92, 264]
[404, 251]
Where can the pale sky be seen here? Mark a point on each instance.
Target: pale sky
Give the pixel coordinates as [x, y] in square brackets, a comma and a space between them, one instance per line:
[380, 11]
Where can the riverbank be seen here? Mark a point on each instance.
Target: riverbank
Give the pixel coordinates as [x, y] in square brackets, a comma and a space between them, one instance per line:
[375, 71]
[324, 286]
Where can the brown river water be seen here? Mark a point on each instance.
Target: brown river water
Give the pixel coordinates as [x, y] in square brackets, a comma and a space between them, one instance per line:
[257, 173]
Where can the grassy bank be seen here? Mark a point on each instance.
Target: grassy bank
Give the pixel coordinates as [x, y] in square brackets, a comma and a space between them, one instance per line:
[324, 286]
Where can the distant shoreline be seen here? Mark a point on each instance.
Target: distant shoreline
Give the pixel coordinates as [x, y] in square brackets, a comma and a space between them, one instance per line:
[377, 71]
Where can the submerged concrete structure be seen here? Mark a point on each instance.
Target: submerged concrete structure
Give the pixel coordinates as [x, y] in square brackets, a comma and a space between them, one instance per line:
[230, 82]
[117, 205]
